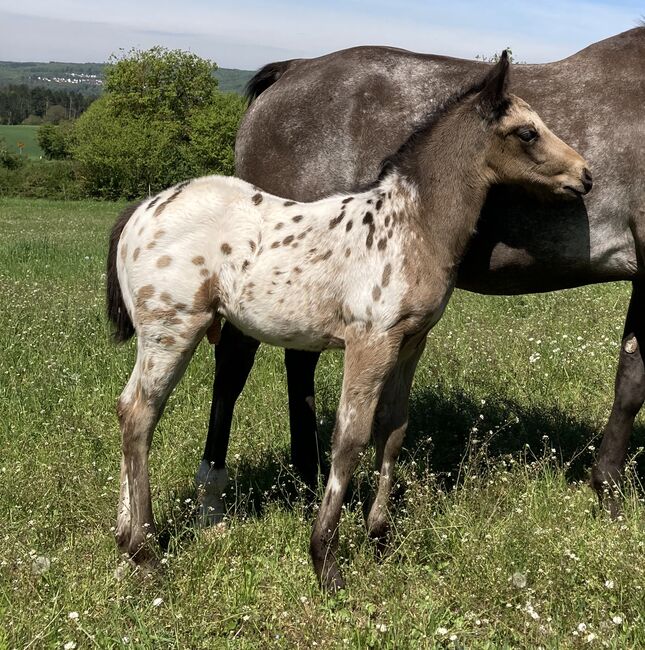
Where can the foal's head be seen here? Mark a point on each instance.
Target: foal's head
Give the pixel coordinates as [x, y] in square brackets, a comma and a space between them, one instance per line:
[520, 148]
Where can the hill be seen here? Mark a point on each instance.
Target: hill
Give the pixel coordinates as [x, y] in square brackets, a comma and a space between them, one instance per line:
[88, 77]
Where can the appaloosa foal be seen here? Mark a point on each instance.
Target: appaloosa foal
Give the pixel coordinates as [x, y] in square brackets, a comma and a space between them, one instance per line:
[371, 272]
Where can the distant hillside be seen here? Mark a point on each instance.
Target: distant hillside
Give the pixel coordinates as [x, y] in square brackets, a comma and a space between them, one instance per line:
[88, 77]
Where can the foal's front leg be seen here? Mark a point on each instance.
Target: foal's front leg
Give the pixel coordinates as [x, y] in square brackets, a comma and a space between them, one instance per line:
[368, 361]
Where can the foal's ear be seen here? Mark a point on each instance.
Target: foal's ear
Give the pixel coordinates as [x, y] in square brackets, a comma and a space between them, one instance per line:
[493, 98]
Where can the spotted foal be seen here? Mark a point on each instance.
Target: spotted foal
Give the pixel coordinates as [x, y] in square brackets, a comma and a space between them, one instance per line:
[369, 272]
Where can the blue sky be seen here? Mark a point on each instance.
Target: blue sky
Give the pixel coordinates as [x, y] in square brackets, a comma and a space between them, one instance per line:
[249, 33]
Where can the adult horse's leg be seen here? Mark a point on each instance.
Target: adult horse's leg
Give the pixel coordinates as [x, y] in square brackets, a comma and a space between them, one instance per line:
[305, 452]
[234, 355]
[628, 398]
[368, 362]
[158, 368]
[390, 425]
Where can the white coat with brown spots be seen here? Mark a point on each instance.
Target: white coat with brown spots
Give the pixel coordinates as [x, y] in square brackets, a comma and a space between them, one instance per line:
[370, 272]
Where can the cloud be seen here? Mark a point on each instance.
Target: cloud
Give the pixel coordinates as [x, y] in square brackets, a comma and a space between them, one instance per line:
[249, 33]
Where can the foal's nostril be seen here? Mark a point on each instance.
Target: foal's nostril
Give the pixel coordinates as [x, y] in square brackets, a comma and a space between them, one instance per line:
[587, 181]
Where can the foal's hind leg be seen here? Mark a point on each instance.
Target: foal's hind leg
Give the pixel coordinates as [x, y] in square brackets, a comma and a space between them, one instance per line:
[234, 355]
[161, 361]
[629, 396]
[389, 432]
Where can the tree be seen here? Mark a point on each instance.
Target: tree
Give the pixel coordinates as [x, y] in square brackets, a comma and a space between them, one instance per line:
[56, 140]
[55, 114]
[160, 120]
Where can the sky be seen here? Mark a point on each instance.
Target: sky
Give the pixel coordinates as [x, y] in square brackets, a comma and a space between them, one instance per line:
[249, 33]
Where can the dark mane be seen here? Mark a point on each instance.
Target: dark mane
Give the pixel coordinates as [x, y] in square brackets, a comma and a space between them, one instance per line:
[266, 76]
[428, 122]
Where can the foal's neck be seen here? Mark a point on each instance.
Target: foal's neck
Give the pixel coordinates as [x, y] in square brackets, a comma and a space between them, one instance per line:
[447, 179]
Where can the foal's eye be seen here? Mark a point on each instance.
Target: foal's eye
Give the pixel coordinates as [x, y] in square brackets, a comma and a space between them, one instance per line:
[527, 134]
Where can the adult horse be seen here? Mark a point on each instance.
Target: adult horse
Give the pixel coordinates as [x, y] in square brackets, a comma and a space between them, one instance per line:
[362, 103]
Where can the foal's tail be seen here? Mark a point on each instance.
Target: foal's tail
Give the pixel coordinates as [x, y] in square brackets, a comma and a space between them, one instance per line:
[266, 76]
[123, 329]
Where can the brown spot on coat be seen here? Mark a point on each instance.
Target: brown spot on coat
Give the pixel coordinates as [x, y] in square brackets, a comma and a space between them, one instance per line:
[206, 296]
[348, 252]
[152, 244]
[279, 225]
[146, 292]
[387, 273]
[275, 244]
[153, 202]
[382, 243]
[198, 260]
[245, 265]
[164, 261]
[166, 297]
[347, 200]
[349, 225]
[168, 340]
[162, 206]
[336, 220]
[368, 218]
[135, 255]
[288, 203]
[252, 245]
[257, 198]
[287, 240]
[376, 292]
[378, 205]
[297, 218]
[226, 248]
[159, 234]
[370, 236]
[204, 272]
[387, 221]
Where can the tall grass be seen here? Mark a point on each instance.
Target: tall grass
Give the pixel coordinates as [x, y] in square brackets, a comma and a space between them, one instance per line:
[497, 540]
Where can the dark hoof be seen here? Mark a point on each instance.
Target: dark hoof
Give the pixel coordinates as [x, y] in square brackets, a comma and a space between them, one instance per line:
[608, 493]
[332, 581]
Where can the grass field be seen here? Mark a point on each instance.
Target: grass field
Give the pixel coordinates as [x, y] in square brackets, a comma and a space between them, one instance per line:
[507, 405]
[28, 135]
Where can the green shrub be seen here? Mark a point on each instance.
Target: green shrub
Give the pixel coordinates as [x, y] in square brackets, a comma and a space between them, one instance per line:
[55, 140]
[46, 180]
[161, 120]
[8, 159]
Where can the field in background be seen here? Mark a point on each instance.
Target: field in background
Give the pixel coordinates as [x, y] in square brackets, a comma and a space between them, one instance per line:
[78, 76]
[28, 135]
[517, 556]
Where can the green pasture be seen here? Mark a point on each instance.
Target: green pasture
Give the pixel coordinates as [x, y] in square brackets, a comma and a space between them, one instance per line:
[497, 541]
[17, 134]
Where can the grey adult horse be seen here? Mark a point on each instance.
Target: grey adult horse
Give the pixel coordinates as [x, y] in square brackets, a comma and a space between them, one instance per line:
[363, 102]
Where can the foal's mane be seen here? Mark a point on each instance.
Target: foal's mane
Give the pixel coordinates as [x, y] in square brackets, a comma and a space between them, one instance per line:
[425, 125]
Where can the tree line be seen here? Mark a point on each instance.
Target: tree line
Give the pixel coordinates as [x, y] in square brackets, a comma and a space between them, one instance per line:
[23, 104]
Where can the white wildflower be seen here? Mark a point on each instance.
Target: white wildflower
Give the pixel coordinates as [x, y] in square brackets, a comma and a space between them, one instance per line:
[519, 580]
[157, 602]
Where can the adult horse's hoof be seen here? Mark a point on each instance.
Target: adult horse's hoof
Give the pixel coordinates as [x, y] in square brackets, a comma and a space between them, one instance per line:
[607, 490]
[210, 484]
[332, 580]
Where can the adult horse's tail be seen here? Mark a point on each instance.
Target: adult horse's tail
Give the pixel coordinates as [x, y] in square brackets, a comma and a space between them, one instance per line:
[266, 76]
[123, 329]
